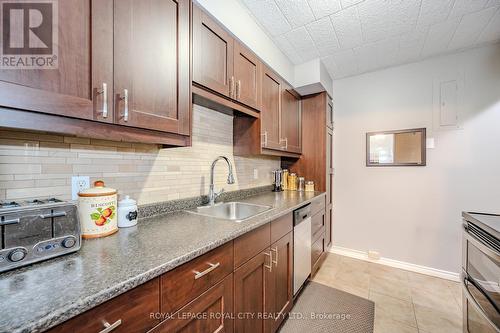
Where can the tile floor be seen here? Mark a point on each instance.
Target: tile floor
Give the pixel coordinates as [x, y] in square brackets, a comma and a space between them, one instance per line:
[405, 302]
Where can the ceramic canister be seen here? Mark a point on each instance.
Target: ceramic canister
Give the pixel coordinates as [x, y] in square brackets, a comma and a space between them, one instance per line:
[97, 210]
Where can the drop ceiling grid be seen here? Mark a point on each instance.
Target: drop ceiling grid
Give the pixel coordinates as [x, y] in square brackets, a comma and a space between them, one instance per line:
[356, 36]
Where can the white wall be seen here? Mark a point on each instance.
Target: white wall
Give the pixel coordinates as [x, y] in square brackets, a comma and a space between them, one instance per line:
[236, 18]
[413, 214]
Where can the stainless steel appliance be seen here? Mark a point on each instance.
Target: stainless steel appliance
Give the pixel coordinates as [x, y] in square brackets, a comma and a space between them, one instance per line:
[301, 246]
[481, 273]
[277, 180]
[36, 230]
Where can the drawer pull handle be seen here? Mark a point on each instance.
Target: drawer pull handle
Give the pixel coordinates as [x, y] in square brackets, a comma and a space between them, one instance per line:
[198, 275]
[109, 327]
[270, 266]
[275, 262]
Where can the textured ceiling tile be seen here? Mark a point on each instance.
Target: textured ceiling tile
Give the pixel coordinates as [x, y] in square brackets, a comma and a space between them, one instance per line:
[439, 37]
[343, 64]
[322, 8]
[492, 30]
[268, 15]
[411, 45]
[323, 36]
[349, 3]
[366, 57]
[297, 12]
[492, 3]
[375, 20]
[287, 48]
[388, 51]
[463, 7]
[302, 43]
[470, 28]
[434, 11]
[347, 26]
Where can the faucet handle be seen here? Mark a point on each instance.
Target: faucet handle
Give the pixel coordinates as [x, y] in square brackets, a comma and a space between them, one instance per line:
[217, 194]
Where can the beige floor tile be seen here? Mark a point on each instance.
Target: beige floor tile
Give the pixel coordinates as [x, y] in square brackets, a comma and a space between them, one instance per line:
[427, 282]
[393, 309]
[391, 287]
[387, 272]
[436, 299]
[356, 283]
[456, 290]
[434, 321]
[387, 325]
[350, 265]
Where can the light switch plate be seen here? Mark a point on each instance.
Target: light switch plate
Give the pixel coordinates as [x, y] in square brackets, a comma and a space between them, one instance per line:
[79, 183]
[430, 143]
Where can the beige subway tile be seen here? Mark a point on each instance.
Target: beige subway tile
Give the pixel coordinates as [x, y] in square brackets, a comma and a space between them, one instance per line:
[20, 169]
[84, 169]
[90, 148]
[19, 144]
[52, 182]
[2, 194]
[53, 145]
[95, 154]
[98, 142]
[42, 192]
[78, 160]
[57, 168]
[17, 184]
[127, 168]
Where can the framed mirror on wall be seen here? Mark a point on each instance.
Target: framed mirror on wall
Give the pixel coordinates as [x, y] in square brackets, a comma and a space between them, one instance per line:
[396, 148]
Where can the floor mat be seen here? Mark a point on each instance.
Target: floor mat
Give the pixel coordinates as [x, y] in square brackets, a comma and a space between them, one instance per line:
[324, 309]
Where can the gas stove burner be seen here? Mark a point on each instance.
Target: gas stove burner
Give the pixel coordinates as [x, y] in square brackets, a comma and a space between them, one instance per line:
[53, 200]
[10, 204]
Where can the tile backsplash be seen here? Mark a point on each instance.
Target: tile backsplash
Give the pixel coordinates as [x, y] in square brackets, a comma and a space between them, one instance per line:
[41, 164]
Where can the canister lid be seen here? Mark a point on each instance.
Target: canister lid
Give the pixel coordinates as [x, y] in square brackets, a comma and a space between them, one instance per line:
[97, 191]
[126, 202]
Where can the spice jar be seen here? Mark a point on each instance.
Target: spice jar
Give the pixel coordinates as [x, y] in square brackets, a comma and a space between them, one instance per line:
[97, 211]
[292, 181]
[301, 184]
[309, 186]
[284, 180]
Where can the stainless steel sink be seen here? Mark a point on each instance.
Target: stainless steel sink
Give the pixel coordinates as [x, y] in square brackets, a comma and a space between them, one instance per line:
[234, 211]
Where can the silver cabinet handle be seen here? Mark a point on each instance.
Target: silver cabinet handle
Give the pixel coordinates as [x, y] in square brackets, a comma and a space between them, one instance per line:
[265, 139]
[270, 266]
[484, 248]
[104, 93]
[275, 262]
[124, 97]
[238, 89]
[476, 305]
[11, 221]
[198, 275]
[231, 87]
[110, 327]
[54, 214]
[285, 140]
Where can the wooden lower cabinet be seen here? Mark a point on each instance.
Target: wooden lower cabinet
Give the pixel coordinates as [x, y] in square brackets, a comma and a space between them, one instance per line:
[251, 294]
[209, 313]
[281, 288]
[129, 313]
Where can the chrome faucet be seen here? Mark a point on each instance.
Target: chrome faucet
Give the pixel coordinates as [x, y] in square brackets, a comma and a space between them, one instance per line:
[212, 195]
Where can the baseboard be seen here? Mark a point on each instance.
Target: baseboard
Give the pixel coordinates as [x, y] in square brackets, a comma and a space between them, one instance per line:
[397, 264]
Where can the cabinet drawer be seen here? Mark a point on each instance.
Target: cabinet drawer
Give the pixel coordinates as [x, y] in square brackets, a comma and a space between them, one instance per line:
[281, 226]
[317, 249]
[251, 244]
[132, 308]
[317, 224]
[180, 286]
[317, 205]
[211, 312]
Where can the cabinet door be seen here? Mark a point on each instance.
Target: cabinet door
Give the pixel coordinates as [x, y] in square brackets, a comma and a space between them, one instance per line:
[212, 54]
[291, 130]
[270, 110]
[84, 63]
[329, 187]
[281, 300]
[211, 312]
[152, 81]
[252, 291]
[247, 75]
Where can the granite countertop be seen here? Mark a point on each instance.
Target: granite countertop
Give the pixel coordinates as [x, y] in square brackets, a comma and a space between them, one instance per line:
[40, 296]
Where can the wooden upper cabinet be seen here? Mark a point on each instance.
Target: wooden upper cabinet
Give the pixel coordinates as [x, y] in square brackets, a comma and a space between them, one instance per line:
[291, 130]
[151, 64]
[84, 63]
[212, 54]
[247, 76]
[270, 110]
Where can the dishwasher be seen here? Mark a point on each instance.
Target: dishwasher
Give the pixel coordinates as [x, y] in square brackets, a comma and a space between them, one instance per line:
[301, 246]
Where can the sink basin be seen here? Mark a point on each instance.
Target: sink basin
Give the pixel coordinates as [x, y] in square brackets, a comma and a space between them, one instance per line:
[234, 211]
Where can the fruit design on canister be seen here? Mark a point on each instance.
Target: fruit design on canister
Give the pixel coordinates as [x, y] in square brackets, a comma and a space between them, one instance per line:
[103, 216]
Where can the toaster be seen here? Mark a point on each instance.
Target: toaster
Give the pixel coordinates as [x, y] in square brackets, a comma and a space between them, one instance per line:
[36, 230]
